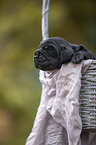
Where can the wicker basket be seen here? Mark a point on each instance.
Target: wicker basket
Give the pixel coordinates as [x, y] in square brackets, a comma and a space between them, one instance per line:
[88, 98]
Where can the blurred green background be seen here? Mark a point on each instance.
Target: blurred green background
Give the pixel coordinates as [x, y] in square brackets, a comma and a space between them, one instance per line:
[20, 35]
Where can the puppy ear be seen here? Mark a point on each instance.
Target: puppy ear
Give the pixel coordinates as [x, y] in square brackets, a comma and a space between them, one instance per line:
[83, 52]
[66, 54]
[78, 47]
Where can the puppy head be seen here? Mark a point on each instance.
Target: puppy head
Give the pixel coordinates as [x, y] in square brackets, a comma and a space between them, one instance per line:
[52, 53]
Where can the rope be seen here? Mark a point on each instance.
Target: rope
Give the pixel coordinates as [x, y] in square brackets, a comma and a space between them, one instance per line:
[45, 11]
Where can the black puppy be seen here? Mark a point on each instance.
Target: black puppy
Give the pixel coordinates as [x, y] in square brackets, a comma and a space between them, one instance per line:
[55, 51]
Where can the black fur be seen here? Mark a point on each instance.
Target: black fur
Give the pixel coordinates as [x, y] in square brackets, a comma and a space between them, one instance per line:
[55, 51]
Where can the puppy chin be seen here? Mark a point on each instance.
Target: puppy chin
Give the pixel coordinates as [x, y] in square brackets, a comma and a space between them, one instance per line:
[46, 68]
[41, 67]
[38, 65]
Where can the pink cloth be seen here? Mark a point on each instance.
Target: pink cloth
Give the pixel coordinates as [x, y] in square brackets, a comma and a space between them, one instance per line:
[60, 97]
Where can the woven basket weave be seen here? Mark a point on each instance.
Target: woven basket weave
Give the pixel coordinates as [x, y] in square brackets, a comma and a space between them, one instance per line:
[87, 98]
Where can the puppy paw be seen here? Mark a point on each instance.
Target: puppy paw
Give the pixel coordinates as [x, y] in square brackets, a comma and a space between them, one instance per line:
[77, 57]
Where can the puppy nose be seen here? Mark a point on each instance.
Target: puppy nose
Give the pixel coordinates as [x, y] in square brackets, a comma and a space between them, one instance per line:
[36, 54]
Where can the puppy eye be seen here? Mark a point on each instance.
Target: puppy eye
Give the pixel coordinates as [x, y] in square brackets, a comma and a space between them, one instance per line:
[49, 48]
[45, 47]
